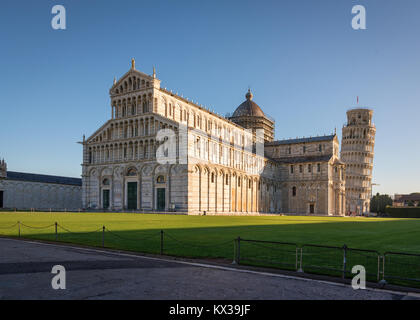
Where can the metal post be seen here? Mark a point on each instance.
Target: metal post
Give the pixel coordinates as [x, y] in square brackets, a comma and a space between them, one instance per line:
[383, 282]
[344, 261]
[383, 267]
[301, 260]
[19, 229]
[103, 236]
[238, 251]
[234, 251]
[161, 242]
[56, 235]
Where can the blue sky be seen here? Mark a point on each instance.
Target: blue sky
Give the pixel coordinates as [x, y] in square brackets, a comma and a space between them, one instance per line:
[302, 60]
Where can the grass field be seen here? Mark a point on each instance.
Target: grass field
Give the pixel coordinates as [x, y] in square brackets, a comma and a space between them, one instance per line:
[212, 236]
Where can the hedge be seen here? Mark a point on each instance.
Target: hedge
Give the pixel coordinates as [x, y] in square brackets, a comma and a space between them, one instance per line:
[403, 212]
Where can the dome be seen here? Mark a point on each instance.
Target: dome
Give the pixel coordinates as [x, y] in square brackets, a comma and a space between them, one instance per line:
[248, 108]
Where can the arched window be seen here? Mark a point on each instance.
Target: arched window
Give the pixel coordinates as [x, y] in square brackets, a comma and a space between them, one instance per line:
[160, 179]
[227, 179]
[212, 177]
[132, 172]
[294, 191]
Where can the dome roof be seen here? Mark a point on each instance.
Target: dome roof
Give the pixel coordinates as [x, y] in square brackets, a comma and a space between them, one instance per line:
[248, 108]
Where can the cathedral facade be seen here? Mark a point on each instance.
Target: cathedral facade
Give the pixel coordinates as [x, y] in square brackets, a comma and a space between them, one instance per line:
[162, 152]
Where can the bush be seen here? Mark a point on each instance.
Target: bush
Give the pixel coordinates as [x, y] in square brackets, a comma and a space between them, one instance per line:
[398, 212]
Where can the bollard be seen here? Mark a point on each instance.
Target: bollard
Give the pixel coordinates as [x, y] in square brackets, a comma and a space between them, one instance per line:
[234, 252]
[344, 261]
[238, 251]
[56, 234]
[161, 242]
[19, 229]
[382, 282]
[301, 260]
[103, 236]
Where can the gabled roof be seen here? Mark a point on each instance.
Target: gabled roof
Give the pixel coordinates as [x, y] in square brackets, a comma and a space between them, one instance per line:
[32, 177]
[98, 130]
[129, 72]
[301, 140]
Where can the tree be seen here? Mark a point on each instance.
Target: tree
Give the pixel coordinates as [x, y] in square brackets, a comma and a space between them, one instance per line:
[418, 203]
[410, 204]
[379, 203]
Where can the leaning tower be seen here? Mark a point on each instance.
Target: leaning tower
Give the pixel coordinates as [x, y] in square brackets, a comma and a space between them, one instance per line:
[3, 169]
[357, 150]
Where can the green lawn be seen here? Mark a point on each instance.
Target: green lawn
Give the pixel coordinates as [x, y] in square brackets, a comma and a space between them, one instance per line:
[212, 236]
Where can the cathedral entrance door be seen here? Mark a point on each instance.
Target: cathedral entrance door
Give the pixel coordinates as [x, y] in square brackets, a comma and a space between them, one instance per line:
[105, 199]
[161, 195]
[132, 195]
[311, 208]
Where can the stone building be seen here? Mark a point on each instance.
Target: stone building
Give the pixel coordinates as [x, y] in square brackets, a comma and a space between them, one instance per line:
[357, 151]
[160, 151]
[406, 200]
[312, 175]
[25, 191]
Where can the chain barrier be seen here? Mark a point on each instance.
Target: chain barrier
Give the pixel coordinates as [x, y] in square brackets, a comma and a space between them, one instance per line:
[196, 245]
[69, 231]
[33, 227]
[132, 239]
[4, 228]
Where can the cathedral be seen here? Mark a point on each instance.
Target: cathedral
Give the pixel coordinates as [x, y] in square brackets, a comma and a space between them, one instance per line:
[161, 152]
